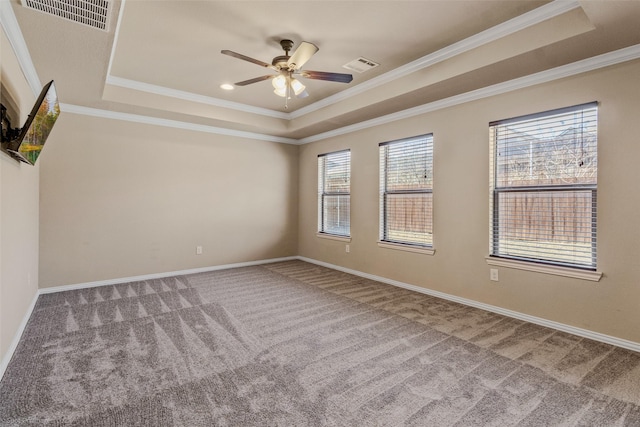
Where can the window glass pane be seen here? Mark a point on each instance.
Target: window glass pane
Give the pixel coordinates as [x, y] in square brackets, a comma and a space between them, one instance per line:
[544, 186]
[409, 218]
[551, 225]
[334, 182]
[336, 214]
[556, 150]
[406, 180]
[409, 165]
[337, 172]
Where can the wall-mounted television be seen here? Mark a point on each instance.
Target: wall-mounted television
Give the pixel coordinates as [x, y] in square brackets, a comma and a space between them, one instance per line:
[25, 144]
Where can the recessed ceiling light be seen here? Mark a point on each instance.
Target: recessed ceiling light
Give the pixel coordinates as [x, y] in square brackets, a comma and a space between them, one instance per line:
[226, 86]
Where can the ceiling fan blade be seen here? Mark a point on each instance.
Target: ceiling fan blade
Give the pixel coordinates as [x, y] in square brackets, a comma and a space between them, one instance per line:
[255, 80]
[332, 77]
[303, 53]
[246, 58]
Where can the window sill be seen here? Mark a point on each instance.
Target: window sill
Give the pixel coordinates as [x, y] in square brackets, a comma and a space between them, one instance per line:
[575, 273]
[334, 237]
[407, 248]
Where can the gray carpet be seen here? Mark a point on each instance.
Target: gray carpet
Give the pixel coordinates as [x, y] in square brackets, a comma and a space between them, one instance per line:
[294, 344]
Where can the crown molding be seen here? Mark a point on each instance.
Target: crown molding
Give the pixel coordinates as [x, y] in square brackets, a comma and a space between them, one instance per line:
[179, 94]
[586, 65]
[193, 97]
[14, 34]
[155, 121]
[116, 34]
[601, 61]
[10, 25]
[536, 16]
[541, 14]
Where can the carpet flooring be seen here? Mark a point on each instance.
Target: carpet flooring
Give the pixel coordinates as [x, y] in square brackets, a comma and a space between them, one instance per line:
[296, 344]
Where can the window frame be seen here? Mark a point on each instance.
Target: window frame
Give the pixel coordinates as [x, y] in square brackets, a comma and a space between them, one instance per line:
[530, 262]
[323, 194]
[384, 240]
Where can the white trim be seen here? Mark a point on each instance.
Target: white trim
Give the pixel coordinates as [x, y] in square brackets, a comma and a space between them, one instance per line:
[12, 29]
[16, 39]
[590, 64]
[179, 94]
[159, 275]
[541, 14]
[585, 333]
[576, 273]
[533, 17]
[406, 248]
[116, 34]
[607, 59]
[333, 237]
[18, 335]
[619, 342]
[136, 118]
[193, 97]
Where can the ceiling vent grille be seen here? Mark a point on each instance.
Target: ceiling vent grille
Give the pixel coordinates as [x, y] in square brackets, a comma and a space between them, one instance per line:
[92, 13]
[360, 65]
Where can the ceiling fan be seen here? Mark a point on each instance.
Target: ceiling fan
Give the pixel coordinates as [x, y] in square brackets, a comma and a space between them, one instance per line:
[287, 67]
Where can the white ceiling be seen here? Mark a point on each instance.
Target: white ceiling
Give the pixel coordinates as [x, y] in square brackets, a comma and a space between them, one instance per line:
[161, 59]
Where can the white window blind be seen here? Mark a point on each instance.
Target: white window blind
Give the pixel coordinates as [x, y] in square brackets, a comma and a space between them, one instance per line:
[334, 199]
[406, 184]
[544, 185]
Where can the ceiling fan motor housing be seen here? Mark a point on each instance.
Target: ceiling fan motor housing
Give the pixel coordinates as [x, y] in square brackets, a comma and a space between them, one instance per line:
[280, 62]
[287, 45]
[287, 65]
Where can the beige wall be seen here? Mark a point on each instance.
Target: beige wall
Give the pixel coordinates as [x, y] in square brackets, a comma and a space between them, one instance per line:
[121, 199]
[18, 213]
[461, 206]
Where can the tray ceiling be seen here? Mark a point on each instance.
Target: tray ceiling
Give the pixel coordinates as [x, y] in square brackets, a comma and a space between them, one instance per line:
[161, 59]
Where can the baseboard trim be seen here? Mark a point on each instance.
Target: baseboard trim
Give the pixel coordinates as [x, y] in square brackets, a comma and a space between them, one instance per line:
[159, 275]
[585, 333]
[16, 339]
[18, 335]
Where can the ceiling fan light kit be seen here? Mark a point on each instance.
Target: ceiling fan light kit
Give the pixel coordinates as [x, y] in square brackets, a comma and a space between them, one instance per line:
[287, 66]
[280, 85]
[298, 88]
[283, 85]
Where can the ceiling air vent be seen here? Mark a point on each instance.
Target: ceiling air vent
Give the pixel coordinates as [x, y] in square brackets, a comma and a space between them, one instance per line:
[360, 65]
[92, 13]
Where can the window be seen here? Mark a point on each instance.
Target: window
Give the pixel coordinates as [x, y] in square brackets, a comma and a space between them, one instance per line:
[406, 183]
[543, 187]
[334, 200]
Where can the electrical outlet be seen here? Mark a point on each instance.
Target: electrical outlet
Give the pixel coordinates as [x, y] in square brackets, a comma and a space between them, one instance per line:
[198, 250]
[493, 274]
[347, 248]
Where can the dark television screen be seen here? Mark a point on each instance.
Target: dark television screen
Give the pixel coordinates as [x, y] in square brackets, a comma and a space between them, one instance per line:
[45, 112]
